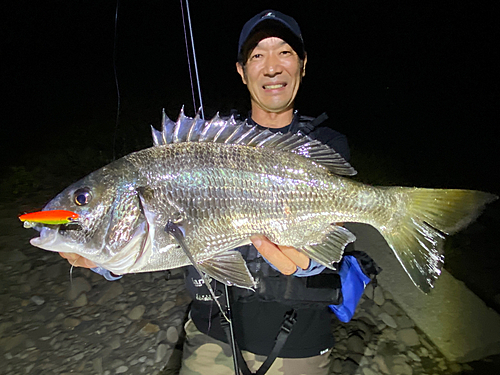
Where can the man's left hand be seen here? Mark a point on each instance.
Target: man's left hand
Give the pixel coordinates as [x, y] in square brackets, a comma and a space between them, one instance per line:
[285, 258]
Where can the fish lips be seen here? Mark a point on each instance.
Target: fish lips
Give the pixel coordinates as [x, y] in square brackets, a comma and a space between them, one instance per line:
[50, 239]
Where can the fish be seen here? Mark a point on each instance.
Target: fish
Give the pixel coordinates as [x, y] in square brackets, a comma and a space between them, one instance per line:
[205, 187]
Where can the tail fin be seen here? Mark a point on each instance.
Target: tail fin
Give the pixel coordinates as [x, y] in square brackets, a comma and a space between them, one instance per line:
[418, 236]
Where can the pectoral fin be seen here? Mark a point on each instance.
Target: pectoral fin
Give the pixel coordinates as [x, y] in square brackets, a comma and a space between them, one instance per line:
[332, 248]
[229, 267]
[174, 230]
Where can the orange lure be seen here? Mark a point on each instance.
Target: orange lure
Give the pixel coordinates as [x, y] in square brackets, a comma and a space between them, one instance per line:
[50, 217]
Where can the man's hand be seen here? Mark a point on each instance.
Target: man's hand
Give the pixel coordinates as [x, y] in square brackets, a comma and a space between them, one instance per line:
[285, 258]
[77, 260]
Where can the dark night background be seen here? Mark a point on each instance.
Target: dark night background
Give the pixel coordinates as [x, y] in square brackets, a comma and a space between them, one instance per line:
[412, 84]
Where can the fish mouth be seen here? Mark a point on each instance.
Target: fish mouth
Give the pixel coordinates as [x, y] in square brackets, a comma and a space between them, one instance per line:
[52, 238]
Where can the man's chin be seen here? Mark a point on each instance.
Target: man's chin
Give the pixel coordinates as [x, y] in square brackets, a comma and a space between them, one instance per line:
[275, 107]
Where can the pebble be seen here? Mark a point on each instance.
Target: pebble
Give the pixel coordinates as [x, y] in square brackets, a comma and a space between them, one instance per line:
[114, 343]
[10, 343]
[389, 307]
[71, 322]
[389, 320]
[76, 287]
[49, 325]
[149, 329]
[413, 356]
[409, 337]
[162, 335]
[161, 351]
[113, 291]
[167, 305]
[97, 365]
[137, 312]
[172, 335]
[117, 363]
[402, 369]
[15, 256]
[121, 370]
[80, 301]
[368, 371]
[356, 344]
[404, 322]
[37, 300]
[379, 296]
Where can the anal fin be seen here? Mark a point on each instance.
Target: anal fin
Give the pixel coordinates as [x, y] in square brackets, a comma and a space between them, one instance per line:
[332, 248]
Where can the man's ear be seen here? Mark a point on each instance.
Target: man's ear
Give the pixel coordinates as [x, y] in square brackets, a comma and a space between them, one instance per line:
[304, 66]
[241, 72]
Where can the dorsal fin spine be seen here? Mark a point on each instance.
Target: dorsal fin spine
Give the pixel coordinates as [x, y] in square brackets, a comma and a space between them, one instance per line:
[269, 141]
[218, 130]
[191, 136]
[250, 132]
[218, 134]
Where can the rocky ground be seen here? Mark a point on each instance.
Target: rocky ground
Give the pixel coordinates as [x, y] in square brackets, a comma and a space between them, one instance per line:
[53, 322]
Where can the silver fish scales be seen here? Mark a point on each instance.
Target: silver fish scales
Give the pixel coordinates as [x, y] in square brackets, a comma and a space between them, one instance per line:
[221, 181]
[229, 192]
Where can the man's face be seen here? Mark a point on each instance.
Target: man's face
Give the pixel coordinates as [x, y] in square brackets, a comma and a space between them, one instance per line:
[272, 74]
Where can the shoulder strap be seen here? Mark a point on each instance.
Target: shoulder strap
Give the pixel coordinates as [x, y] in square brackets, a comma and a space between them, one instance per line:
[286, 328]
[307, 124]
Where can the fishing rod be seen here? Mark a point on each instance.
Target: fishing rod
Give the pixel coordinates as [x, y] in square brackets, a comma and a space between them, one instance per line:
[194, 58]
[225, 314]
[116, 80]
[118, 106]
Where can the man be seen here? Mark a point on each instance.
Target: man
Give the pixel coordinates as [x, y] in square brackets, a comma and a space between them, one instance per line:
[271, 63]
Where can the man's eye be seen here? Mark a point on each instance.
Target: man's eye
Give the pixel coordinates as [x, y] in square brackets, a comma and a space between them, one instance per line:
[256, 56]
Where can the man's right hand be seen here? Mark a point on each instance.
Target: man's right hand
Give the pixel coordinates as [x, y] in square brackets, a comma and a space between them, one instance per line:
[77, 260]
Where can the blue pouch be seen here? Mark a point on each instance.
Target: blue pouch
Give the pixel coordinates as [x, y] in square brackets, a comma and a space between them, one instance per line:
[354, 281]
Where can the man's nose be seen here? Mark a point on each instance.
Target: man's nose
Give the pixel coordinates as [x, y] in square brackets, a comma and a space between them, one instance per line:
[273, 67]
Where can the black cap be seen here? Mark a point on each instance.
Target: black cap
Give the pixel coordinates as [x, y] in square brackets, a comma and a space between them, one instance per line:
[271, 23]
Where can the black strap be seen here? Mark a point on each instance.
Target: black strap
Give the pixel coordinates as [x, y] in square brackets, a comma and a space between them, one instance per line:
[285, 329]
[306, 124]
[318, 120]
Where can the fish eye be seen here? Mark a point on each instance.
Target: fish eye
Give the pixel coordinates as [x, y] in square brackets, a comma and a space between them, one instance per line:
[82, 196]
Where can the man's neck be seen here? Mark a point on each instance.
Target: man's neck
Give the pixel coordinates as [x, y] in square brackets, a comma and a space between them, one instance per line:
[272, 120]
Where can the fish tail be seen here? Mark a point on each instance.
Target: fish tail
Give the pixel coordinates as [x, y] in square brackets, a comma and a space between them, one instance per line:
[421, 222]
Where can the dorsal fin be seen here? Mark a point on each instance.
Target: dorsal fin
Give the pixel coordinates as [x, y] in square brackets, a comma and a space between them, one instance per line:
[230, 131]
